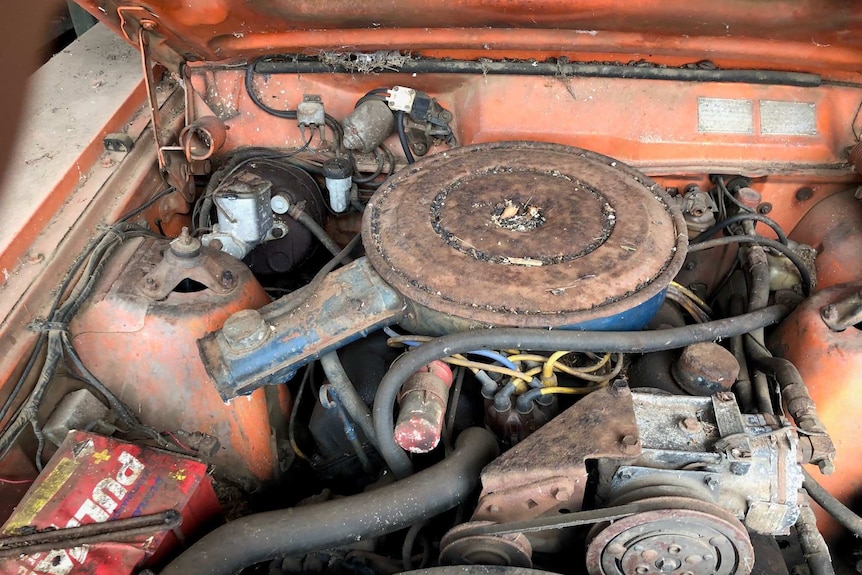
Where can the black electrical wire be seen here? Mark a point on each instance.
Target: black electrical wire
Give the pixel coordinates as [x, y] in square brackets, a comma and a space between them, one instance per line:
[294, 412]
[726, 193]
[402, 137]
[390, 159]
[452, 410]
[92, 253]
[409, 543]
[375, 94]
[92, 261]
[147, 204]
[379, 156]
[761, 241]
[542, 340]
[782, 237]
[286, 114]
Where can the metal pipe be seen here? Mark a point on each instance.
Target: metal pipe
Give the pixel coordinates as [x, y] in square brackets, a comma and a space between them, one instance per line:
[300, 530]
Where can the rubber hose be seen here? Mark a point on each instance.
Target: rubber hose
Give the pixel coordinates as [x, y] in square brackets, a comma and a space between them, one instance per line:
[543, 340]
[814, 547]
[804, 274]
[316, 230]
[349, 397]
[842, 514]
[758, 298]
[301, 530]
[799, 403]
[744, 217]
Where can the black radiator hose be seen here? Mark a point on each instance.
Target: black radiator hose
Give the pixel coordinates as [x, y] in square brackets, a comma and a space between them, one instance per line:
[543, 340]
[300, 530]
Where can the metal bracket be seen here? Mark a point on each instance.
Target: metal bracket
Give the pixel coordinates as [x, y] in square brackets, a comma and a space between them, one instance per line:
[109, 531]
[840, 315]
[172, 161]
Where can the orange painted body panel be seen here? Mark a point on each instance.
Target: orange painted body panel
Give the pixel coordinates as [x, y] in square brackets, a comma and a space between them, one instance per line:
[146, 352]
[777, 34]
[649, 124]
[834, 227]
[831, 366]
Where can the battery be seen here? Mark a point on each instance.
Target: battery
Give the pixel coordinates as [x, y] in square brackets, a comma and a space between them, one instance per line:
[96, 479]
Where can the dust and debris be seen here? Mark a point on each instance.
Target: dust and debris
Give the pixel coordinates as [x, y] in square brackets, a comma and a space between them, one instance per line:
[364, 62]
[44, 156]
[562, 290]
[518, 216]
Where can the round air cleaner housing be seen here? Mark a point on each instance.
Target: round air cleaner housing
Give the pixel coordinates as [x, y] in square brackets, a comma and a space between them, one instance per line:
[525, 234]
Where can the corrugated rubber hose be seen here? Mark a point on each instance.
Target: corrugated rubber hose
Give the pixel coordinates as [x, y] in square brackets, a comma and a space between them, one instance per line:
[300, 530]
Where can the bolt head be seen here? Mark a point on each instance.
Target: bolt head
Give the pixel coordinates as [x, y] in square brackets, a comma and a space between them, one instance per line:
[562, 495]
[245, 330]
[690, 425]
[185, 246]
[629, 444]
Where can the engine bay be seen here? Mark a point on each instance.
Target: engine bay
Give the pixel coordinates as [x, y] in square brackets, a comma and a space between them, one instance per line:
[389, 312]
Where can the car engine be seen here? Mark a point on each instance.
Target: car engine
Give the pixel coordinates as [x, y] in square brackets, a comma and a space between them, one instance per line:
[425, 311]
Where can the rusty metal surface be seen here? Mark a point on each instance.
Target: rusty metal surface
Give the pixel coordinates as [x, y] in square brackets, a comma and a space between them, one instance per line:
[843, 313]
[202, 138]
[524, 234]
[187, 259]
[547, 472]
[71, 537]
[705, 368]
[458, 547]
[672, 535]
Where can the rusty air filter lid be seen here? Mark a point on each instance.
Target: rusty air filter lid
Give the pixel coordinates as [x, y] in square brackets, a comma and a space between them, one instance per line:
[524, 234]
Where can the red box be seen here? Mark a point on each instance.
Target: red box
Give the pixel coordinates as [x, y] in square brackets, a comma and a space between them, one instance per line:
[93, 479]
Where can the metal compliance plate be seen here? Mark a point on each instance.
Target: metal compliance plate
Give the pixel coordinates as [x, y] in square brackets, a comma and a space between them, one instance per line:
[524, 234]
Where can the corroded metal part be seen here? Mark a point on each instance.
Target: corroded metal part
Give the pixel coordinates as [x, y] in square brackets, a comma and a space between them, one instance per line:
[674, 535]
[705, 368]
[187, 259]
[512, 550]
[546, 473]
[525, 234]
